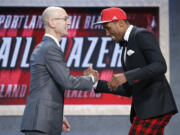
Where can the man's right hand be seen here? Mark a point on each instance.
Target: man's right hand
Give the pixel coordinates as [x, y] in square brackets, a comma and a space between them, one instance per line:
[65, 125]
[91, 71]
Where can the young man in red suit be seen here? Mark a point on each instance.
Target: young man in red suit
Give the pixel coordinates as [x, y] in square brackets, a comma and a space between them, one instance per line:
[144, 75]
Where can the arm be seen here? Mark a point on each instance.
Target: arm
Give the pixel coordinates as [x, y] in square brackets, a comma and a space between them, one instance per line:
[57, 68]
[123, 90]
[102, 86]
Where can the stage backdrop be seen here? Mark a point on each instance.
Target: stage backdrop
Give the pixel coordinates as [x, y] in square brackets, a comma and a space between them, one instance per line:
[21, 29]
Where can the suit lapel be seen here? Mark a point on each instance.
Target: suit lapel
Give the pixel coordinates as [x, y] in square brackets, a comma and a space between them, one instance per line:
[129, 47]
[132, 38]
[122, 59]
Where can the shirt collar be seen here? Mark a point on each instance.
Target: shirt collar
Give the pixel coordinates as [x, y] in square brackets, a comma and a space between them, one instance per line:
[51, 36]
[128, 31]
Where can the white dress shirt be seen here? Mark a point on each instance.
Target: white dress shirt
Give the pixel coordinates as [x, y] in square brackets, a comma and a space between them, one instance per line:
[126, 38]
[51, 36]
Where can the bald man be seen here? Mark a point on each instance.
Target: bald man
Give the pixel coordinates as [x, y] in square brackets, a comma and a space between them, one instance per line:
[43, 114]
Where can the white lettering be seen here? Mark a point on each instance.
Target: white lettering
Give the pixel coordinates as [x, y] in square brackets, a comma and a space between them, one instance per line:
[90, 51]
[73, 22]
[103, 51]
[39, 23]
[81, 94]
[78, 22]
[5, 51]
[23, 91]
[8, 21]
[2, 90]
[63, 43]
[98, 26]
[33, 22]
[15, 22]
[16, 51]
[87, 22]
[13, 91]
[26, 22]
[20, 20]
[93, 21]
[2, 19]
[8, 91]
[76, 52]
[24, 63]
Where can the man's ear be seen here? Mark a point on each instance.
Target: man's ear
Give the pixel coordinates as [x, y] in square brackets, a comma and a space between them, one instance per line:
[51, 23]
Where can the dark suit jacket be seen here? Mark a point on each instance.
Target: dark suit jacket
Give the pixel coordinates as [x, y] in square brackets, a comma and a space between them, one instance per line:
[49, 79]
[144, 70]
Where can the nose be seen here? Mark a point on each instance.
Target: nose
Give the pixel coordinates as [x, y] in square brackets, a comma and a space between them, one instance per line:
[107, 33]
[68, 22]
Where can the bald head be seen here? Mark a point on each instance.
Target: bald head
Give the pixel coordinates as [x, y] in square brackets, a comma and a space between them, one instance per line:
[51, 12]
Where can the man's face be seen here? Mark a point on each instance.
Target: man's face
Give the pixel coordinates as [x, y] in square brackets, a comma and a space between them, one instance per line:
[114, 30]
[61, 23]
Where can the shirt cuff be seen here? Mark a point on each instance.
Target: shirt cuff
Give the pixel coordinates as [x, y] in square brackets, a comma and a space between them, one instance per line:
[92, 77]
[95, 85]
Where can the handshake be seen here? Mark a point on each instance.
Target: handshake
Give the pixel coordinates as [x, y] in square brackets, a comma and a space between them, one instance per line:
[116, 79]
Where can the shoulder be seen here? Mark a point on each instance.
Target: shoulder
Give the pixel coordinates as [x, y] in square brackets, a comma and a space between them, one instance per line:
[140, 30]
[48, 45]
[42, 48]
[141, 33]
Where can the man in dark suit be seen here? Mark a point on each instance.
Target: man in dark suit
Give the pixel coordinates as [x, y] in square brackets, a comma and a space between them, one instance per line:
[43, 114]
[144, 67]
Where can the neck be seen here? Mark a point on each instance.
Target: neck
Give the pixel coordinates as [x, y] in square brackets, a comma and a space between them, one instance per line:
[127, 26]
[53, 33]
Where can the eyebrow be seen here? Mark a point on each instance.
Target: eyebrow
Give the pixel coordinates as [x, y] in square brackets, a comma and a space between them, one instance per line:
[106, 27]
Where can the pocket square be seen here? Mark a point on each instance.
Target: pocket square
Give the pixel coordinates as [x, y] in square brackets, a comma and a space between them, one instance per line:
[130, 52]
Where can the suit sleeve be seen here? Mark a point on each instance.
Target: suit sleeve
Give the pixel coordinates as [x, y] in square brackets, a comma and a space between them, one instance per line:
[156, 64]
[102, 87]
[60, 72]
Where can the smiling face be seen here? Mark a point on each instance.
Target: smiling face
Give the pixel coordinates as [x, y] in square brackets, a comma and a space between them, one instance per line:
[116, 29]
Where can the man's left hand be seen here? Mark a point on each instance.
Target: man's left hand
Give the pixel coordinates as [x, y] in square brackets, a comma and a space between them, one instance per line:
[116, 80]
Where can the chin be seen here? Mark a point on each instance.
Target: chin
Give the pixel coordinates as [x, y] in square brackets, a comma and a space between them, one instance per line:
[66, 33]
[116, 40]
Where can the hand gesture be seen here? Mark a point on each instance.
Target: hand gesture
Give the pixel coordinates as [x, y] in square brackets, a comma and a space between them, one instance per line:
[91, 71]
[116, 80]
